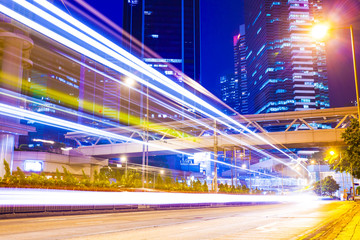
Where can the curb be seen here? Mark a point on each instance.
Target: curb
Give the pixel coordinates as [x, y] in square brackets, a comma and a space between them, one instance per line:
[331, 228]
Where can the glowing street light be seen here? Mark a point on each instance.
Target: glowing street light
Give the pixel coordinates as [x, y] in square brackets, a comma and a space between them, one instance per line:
[332, 153]
[124, 159]
[162, 172]
[320, 31]
[129, 82]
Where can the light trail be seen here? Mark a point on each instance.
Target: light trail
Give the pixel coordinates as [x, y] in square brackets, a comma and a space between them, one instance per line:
[84, 116]
[160, 78]
[11, 111]
[143, 66]
[173, 109]
[36, 197]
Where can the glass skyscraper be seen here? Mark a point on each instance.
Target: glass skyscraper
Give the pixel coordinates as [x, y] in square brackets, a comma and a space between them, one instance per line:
[286, 68]
[240, 73]
[169, 28]
[229, 87]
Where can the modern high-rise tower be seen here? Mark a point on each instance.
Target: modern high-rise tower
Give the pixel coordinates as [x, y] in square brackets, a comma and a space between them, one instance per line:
[240, 69]
[229, 89]
[286, 68]
[169, 28]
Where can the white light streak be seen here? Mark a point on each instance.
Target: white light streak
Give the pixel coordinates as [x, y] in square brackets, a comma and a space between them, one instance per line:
[142, 67]
[31, 197]
[11, 111]
[44, 141]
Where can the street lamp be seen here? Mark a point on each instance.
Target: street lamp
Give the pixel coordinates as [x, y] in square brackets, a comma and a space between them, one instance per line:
[332, 153]
[313, 162]
[320, 31]
[129, 82]
[123, 159]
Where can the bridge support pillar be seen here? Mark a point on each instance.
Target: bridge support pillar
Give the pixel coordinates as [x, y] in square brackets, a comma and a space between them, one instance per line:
[7, 143]
[15, 47]
[94, 168]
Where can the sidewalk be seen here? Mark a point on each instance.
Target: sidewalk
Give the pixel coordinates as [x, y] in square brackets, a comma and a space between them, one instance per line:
[344, 226]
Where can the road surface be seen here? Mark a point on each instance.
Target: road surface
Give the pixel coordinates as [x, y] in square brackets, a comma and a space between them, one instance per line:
[275, 221]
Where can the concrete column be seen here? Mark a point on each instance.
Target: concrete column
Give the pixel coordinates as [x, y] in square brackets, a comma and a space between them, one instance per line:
[12, 70]
[92, 170]
[14, 46]
[7, 142]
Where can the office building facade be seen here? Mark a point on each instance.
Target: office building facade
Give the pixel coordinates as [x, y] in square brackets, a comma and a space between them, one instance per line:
[240, 73]
[169, 28]
[286, 68]
[229, 87]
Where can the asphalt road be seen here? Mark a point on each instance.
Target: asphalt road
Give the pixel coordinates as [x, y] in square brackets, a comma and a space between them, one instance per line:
[281, 221]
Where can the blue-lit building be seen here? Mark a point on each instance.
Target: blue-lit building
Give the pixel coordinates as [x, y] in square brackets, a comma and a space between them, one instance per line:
[169, 28]
[240, 73]
[234, 86]
[286, 68]
[229, 88]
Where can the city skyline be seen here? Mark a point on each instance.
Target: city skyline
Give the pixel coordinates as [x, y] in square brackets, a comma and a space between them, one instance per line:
[96, 110]
[220, 45]
[286, 67]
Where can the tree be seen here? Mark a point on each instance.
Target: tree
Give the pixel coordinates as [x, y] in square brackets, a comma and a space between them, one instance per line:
[7, 170]
[159, 184]
[328, 186]
[205, 187]
[349, 159]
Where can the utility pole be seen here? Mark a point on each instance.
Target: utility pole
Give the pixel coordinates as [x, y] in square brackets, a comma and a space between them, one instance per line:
[147, 136]
[215, 187]
[232, 168]
[235, 167]
[320, 179]
[249, 169]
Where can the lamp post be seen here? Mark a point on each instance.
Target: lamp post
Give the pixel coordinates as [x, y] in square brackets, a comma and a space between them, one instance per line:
[332, 153]
[249, 169]
[318, 163]
[124, 160]
[320, 31]
[242, 155]
[355, 69]
[129, 82]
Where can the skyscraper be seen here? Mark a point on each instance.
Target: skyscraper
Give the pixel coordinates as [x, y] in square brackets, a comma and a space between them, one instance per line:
[286, 67]
[169, 28]
[230, 92]
[240, 69]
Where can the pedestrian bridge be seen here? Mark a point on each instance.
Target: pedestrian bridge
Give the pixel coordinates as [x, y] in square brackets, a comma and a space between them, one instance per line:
[302, 129]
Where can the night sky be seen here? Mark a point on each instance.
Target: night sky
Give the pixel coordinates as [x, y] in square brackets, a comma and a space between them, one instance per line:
[220, 21]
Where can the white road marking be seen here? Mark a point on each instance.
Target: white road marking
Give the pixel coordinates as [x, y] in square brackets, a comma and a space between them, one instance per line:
[268, 227]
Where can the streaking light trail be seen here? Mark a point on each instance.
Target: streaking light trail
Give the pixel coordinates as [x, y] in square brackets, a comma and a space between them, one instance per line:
[11, 111]
[27, 197]
[154, 79]
[143, 67]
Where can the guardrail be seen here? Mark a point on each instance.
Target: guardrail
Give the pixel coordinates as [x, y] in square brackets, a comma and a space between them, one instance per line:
[15, 211]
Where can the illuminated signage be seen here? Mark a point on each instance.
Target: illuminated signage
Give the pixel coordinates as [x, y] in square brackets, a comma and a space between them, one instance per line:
[33, 165]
